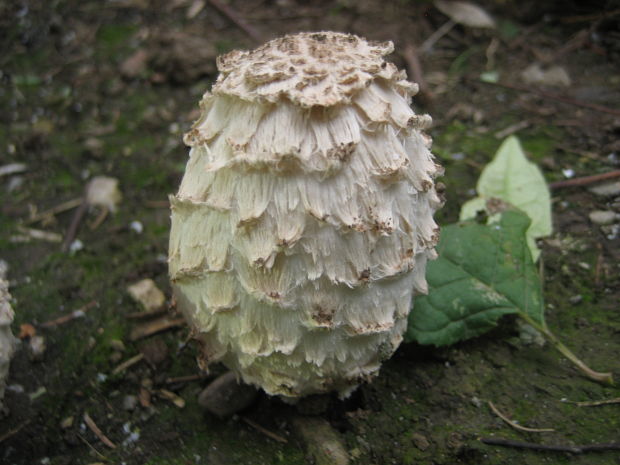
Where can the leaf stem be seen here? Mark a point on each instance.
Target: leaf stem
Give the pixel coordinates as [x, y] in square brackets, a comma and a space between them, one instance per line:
[606, 378]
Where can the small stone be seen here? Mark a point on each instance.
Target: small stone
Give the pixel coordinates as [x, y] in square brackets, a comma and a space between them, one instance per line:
[606, 190]
[322, 442]
[130, 402]
[603, 217]
[575, 299]
[136, 226]
[117, 345]
[37, 347]
[147, 294]
[420, 441]
[67, 422]
[226, 396]
[476, 402]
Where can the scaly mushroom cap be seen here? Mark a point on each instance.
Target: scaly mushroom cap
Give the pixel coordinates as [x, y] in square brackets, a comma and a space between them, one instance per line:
[304, 221]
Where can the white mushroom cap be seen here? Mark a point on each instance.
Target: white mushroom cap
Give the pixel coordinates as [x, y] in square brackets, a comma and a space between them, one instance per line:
[319, 68]
[303, 223]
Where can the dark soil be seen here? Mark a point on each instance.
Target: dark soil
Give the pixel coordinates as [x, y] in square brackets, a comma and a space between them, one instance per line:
[107, 88]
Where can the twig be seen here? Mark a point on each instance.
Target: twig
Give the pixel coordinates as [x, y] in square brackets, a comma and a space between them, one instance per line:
[435, 36]
[157, 204]
[71, 316]
[585, 180]
[152, 327]
[68, 205]
[172, 397]
[551, 96]
[597, 403]
[599, 264]
[127, 363]
[13, 431]
[235, 18]
[185, 379]
[100, 217]
[95, 429]
[146, 315]
[39, 234]
[410, 55]
[552, 447]
[75, 224]
[266, 432]
[515, 425]
[512, 129]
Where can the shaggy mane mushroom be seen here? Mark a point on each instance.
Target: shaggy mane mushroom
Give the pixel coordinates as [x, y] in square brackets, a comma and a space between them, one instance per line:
[303, 223]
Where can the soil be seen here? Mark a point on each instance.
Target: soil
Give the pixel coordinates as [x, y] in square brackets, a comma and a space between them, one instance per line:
[94, 88]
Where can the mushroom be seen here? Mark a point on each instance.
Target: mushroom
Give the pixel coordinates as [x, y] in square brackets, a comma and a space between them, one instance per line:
[7, 341]
[304, 220]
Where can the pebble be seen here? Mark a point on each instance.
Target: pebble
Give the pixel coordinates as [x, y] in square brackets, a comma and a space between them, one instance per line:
[420, 441]
[606, 190]
[37, 347]
[323, 443]
[147, 294]
[603, 217]
[130, 402]
[226, 396]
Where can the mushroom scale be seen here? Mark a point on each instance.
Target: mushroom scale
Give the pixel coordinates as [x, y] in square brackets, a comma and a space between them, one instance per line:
[303, 223]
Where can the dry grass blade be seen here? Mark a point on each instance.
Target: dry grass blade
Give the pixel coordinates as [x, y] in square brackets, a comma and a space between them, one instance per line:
[598, 403]
[266, 432]
[515, 425]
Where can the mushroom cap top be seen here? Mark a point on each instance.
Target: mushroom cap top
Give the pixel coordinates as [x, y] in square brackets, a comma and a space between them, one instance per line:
[309, 69]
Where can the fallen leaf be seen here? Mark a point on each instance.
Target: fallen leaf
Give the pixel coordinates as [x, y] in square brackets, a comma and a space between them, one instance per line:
[512, 178]
[102, 191]
[465, 13]
[26, 330]
[483, 272]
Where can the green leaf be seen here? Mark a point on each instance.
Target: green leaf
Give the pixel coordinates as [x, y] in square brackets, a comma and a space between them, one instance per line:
[519, 182]
[482, 273]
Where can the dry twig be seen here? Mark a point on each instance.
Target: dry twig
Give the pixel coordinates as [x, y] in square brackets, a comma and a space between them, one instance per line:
[551, 447]
[156, 326]
[127, 363]
[551, 96]
[71, 316]
[95, 429]
[68, 205]
[586, 180]
[266, 432]
[597, 403]
[13, 431]
[515, 425]
[185, 379]
[235, 18]
[414, 68]
[75, 225]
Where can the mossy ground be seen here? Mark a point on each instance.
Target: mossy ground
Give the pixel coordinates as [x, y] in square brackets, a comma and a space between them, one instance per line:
[69, 114]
